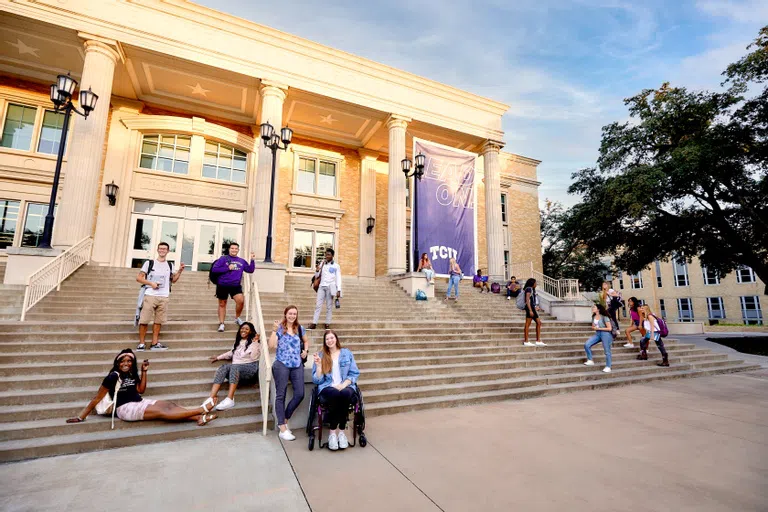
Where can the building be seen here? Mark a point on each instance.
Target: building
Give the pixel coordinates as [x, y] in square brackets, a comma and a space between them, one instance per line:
[182, 92]
[687, 292]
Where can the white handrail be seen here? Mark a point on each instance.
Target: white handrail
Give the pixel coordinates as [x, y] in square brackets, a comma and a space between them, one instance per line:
[565, 289]
[53, 273]
[254, 314]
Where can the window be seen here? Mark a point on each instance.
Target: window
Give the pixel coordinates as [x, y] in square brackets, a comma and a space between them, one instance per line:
[680, 269]
[19, 126]
[50, 132]
[663, 309]
[306, 243]
[710, 277]
[408, 255]
[34, 222]
[407, 192]
[745, 274]
[503, 207]
[715, 308]
[658, 273]
[750, 310]
[506, 265]
[685, 310]
[316, 176]
[9, 218]
[224, 162]
[621, 280]
[168, 153]
[636, 280]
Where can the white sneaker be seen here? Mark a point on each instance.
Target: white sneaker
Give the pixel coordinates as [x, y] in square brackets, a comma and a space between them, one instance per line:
[225, 404]
[541, 344]
[343, 441]
[607, 369]
[221, 327]
[333, 442]
[629, 345]
[509, 298]
[528, 344]
[589, 362]
[286, 435]
[239, 321]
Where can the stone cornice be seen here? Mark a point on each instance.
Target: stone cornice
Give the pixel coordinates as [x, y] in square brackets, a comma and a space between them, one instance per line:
[512, 157]
[510, 179]
[317, 211]
[195, 126]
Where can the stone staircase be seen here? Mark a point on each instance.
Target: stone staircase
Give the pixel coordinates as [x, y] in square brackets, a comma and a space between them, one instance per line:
[412, 355]
[11, 298]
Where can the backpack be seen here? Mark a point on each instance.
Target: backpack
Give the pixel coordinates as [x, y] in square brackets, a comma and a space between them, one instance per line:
[520, 300]
[215, 276]
[495, 288]
[421, 295]
[663, 329]
[170, 266]
[107, 404]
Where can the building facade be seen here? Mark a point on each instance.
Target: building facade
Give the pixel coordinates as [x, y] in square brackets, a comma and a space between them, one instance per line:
[688, 292]
[182, 92]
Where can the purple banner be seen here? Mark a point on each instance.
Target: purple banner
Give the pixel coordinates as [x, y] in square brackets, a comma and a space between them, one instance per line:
[445, 207]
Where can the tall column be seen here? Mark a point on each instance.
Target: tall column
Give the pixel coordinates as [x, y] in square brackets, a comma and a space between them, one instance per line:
[367, 254]
[396, 195]
[494, 229]
[77, 208]
[272, 98]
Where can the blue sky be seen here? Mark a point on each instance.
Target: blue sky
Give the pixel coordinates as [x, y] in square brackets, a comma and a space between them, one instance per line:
[564, 67]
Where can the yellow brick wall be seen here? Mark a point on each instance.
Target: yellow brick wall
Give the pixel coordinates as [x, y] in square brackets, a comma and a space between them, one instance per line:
[524, 227]
[381, 223]
[482, 243]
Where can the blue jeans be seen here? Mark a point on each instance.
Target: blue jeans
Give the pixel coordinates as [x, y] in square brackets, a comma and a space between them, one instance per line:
[453, 281]
[599, 336]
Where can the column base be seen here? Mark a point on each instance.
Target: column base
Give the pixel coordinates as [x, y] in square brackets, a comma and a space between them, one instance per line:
[25, 261]
[270, 277]
[411, 282]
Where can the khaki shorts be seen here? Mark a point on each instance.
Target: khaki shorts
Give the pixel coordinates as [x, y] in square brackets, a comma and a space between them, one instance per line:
[156, 307]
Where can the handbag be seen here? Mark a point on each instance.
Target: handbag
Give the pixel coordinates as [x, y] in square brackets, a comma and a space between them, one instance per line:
[316, 278]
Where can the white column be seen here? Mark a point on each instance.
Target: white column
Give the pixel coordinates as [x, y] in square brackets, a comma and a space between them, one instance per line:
[396, 195]
[367, 251]
[81, 190]
[272, 98]
[494, 230]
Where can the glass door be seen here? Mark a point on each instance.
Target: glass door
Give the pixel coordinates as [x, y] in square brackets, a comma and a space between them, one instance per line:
[212, 241]
[146, 232]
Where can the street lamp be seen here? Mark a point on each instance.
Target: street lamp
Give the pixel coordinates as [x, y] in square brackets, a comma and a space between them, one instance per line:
[272, 141]
[417, 174]
[61, 96]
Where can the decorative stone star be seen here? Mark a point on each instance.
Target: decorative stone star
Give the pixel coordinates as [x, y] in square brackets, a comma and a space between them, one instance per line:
[198, 89]
[328, 119]
[24, 49]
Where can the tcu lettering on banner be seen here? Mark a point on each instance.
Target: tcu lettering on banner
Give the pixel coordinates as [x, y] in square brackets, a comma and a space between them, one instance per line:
[441, 252]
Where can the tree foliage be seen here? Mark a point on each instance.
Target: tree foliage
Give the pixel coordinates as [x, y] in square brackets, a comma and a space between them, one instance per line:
[687, 175]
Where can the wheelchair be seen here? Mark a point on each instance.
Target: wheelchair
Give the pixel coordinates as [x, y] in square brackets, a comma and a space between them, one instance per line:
[315, 420]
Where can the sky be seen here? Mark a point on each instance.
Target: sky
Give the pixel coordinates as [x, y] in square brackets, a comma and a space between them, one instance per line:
[563, 67]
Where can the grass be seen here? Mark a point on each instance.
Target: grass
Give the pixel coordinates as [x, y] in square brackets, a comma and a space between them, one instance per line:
[755, 345]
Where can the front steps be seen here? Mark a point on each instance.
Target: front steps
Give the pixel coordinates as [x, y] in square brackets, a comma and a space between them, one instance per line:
[412, 355]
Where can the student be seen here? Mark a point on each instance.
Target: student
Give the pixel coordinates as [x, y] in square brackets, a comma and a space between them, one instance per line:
[651, 325]
[129, 402]
[454, 277]
[289, 340]
[513, 288]
[481, 281]
[601, 324]
[244, 355]
[230, 270]
[634, 316]
[531, 314]
[611, 300]
[330, 288]
[335, 372]
[426, 266]
[156, 277]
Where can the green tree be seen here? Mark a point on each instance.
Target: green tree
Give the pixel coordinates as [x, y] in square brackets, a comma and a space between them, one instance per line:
[686, 175]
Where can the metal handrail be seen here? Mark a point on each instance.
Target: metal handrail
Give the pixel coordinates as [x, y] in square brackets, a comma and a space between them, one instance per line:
[254, 313]
[42, 282]
[564, 289]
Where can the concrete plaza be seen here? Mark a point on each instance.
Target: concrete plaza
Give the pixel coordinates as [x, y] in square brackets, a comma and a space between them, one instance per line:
[685, 445]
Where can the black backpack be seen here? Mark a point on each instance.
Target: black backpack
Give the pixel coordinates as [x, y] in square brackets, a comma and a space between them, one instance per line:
[215, 276]
[170, 266]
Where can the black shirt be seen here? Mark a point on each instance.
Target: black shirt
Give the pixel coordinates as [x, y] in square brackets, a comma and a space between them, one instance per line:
[127, 393]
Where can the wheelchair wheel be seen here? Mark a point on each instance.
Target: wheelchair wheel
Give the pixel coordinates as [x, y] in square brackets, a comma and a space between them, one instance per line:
[311, 445]
[363, 441]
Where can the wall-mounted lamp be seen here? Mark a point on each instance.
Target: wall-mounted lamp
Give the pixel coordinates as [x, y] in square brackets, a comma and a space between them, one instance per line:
[111, 189]
[371, 223]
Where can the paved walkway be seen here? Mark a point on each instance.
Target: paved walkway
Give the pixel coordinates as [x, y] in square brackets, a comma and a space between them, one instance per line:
[701, 341]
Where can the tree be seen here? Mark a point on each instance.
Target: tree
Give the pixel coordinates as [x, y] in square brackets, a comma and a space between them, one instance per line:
[565, 256]
[686, 176]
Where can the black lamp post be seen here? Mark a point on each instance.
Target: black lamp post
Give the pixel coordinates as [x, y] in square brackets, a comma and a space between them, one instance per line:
[272, 141]
[417, 174]
[61, 96]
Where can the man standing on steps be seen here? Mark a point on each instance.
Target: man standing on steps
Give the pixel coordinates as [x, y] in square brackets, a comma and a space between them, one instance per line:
[229, 271]
[156, 276]
[330, 288]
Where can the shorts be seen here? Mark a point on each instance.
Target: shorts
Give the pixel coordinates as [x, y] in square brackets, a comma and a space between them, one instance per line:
[134, 411]
[154, 308]
[223, 291]
[534, 316]
[636, 323]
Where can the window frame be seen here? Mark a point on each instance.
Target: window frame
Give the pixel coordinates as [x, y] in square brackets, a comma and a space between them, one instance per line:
[751, 274]
[636, 279]
[749, 321]
[680, 317]
[504, 208]
[157, 157]
[663, 309]
[705, 275]
[41, 106]
[314, 232]
[684, 264]
[21, 220]
[218, 157]
[658, 274]
[318, 156]
[720, 309]
[620, 277]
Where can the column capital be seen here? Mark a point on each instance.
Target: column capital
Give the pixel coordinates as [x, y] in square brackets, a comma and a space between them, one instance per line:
[270, 88]
[398, 121]
[491, 146]
[367, 154]
[103, 45]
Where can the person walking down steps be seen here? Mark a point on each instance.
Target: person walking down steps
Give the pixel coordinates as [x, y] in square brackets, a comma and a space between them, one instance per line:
[327, 284]
[228, 274]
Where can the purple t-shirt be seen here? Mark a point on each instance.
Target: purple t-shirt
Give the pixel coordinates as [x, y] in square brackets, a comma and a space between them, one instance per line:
[232, 277]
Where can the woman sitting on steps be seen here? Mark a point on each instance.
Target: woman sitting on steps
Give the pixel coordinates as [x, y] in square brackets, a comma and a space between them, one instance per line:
[244, 355]
[129, 402]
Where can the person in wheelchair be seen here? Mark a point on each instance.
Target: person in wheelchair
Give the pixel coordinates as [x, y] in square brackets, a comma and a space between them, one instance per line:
[335, 373]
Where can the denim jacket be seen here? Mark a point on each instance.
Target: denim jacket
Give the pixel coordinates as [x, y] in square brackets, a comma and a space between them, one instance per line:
[347, 367]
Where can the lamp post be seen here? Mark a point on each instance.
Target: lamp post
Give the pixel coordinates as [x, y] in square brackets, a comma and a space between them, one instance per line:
[417, 174]
[61, 96]
[272, 141]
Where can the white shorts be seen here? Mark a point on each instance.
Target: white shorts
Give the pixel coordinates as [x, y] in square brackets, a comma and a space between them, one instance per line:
[134, 411]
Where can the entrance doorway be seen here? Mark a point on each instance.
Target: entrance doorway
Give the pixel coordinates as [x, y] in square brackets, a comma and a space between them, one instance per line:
[195, 236]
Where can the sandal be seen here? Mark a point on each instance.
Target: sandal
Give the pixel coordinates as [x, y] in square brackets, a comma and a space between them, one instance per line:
[208, 400]
[205, 419]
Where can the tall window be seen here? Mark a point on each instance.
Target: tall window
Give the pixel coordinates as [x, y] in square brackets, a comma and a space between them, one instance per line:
[308, 243]
[715, 308]
[34, 222]
[503, 207]
[658, 273]
[621, 280]
[750, 310]
[745, 274]
[685, 310]
[408, 192]
[50, 132]
[223, 162]
[506, 264]
[710, 277]
[663, 309]
[9, 218]
[316, 176]
[680, 269]
[19, 127]
[636, 280]
[168, 153]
